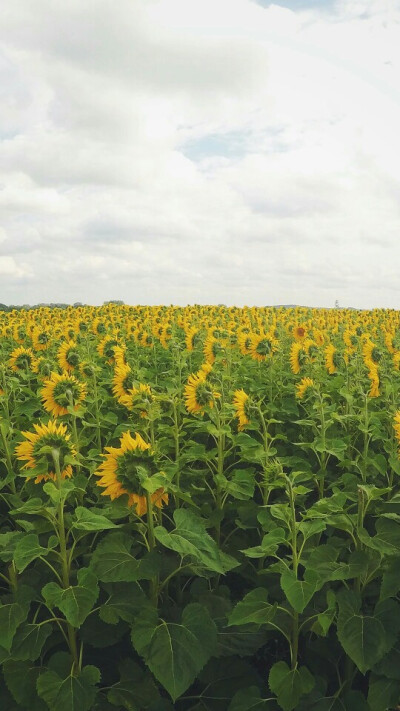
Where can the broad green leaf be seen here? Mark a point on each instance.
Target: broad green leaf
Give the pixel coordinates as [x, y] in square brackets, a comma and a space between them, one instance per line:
[253, 608]
[124, 602]
[299, 592]
[113, 562]
[268, 545]
[28, 549]
[75, 601]
[289, 685]
[383, 693]
[387, 538]
[74, 693]
[21, 678]
[174, 652]
[11, 616]
[29, 640]
[86, 520]
[390, 585]
[135, 690]
[190, 538]
[363, 637]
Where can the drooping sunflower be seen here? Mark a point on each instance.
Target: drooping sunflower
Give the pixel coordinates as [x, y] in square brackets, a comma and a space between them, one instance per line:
[60, 391]
[331, 359]
[371, 354]
[198, 393]
[41, 338]
[211, 348]
[106, 348]
[190, 337]
[138, 398]
[297, 357]
[263, 346]
[241, 405]
[23, 360]
[52, 435]
[68, 356]
[124, 469]
[373, 375]
[123, 381]
[303, 386]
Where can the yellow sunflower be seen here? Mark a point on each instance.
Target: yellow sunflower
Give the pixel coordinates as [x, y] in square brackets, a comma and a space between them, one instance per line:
[299, 332]
[373, 375]
[245, 342]
[190, 336]
[397, 425]
[41, 338]
[124, 469]
[59, 391]
[198, 393]
[138, 398]
[68, 356]
[241, 403]
[123, 381]
[303, 386]
[297, 357]
[263, 346]
[51, 435]
[331, 359]
[211, 348]
[23, 360]
[371, 354]
[106, 348]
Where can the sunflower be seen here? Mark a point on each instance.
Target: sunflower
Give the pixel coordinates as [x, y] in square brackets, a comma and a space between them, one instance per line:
[371, 353]
[373, 375]
[41, 338]
[211, 348]
[297, 357]
[124, 469]
[190, 337]
[198, 394]
[106, 348]
[245, 342]
[138, 398]
[123, 381]
[299, 333]
[23, 360]
[51, 435]
[303, 386]
[68, 356]
[263, 346]
[331, 361]
[241, 405]
[59, 391]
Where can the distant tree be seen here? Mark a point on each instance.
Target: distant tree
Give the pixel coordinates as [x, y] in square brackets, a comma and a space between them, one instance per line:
[117, 302]
[3, 307]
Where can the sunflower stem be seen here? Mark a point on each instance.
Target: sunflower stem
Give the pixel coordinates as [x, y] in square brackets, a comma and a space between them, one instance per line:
[96, 411]
[152, 544]
[10, 468]
[71, 632]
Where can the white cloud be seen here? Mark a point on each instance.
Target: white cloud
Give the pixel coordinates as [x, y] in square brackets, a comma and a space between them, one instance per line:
[177, 151]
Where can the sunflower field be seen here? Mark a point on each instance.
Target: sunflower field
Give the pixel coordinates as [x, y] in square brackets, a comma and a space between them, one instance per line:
[199, 509]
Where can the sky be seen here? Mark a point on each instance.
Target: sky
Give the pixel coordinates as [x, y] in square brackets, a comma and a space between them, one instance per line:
[224, 151]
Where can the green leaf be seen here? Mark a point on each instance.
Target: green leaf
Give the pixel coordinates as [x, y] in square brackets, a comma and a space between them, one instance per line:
[113, 562]
[387, 538]
[250, 700]
[75, 693]
[299, 592]
[190, 538]
[175, 653]
[28, 549]
[363, 637]
[28, 641]
[136, 689]
[86, 520]
[124, 602]
[268, 546]
[21, 678]
[289, 685]
[11, 616]
[253, 608]
[383, 693]
[390, 585]
[76, 601]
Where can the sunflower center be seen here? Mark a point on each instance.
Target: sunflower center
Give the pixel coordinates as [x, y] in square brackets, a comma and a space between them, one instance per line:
[203, 394]
[72, 358]
[23, 361]
[109, 348]
[264, 347]
[376, 355]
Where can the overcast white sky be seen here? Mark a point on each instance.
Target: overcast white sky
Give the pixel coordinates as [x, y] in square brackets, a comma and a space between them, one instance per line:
[200, 151]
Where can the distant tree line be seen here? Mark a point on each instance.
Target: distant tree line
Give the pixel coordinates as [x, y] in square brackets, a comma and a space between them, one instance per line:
[27, 307]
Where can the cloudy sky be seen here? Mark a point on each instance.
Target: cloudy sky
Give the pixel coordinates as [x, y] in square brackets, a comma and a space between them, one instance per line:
[222, 151]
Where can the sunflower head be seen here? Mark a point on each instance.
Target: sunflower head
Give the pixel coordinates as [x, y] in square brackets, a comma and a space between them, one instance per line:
[68, 356]
[199, 393]
[36, 450]
[138, 398]
[61, 392]
[22, 360]
[303, 386]
[126, 469]
[242, 404]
